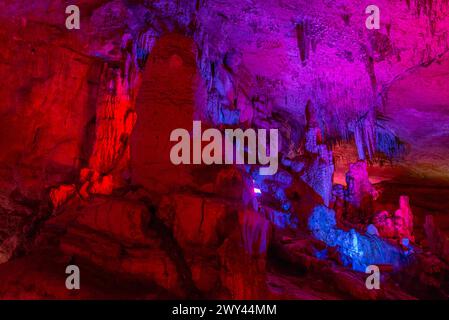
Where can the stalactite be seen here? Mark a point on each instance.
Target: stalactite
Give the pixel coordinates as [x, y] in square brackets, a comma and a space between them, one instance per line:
[389, 144]
[364, 136]
[301, 36]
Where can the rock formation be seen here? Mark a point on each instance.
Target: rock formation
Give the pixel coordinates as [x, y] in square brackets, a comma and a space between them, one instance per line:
[86, 178]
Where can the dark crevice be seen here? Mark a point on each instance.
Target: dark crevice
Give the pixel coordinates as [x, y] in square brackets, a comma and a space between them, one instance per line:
[174, 251]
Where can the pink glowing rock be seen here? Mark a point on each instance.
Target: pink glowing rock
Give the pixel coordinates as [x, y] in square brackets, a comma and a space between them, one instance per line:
[102, 185]
[384, 224]
[398, 225]
[403, 218]
[360, 188]
[60, 195]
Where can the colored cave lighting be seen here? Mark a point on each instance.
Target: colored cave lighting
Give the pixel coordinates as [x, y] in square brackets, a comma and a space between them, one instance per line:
[133, 132]
[256, 190]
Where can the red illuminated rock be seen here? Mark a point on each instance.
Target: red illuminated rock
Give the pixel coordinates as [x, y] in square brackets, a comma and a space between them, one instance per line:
[215, 239]
[46, 109]
[61, 194]
[146, 263]
[398, 225]
[243, 257]
[195, 220]
[165, 102]
[384, 222]
[360, 193]
[438, 241]
[114, 235]
[7, 248]
[88, 112]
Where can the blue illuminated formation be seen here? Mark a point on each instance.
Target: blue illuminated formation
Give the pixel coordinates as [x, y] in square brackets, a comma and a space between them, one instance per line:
[356, 250]
[275, 186]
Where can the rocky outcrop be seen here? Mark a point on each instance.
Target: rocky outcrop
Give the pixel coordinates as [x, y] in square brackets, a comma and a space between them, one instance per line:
[437, 240]
[114, 235]
[399, 225]
[214, 237]
[358, 251]
[86, 115]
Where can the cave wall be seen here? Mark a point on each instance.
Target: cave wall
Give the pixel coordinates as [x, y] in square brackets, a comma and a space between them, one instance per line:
[86, 114]
[315, 45]
[165, 102]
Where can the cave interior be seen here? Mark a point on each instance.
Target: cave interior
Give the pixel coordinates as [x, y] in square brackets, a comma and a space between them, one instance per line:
[363, 157]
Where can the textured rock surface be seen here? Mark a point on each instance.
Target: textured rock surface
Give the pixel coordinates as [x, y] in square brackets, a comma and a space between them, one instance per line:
[85, 118]
[398, 225]
[164, 105]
